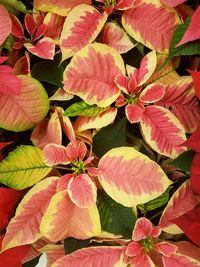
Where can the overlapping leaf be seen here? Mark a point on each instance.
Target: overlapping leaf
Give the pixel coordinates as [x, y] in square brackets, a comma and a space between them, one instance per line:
[130, 177]
[5, 24]
[24, 111]
[23, 168]
[29, 215]
[151, 23]
[91, 73]
[163, 131]
[81, 27]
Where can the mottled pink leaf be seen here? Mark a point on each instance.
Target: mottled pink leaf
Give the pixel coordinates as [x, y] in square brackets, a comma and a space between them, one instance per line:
[173, 3]
[124, 4]
[47, 131]
[165, 248]
[29, 214]
[82, 191]
[181, 202]
[88, 77]
[162, 131]
[151, 23]
[44, 48]
[5, 24]
[134, 112]
[64, 219]
[81, 27]
[61, 7]
[178, 260]
[122, 82]
[196, 79]
[123, 175]
[190, 225]
[54, 24]
[116, 37]
[152, 93]
[94, 256]
[17, 28]
[147, 67]
[29, 107]
[55, 154]
[180, 99]
[193, 31]
[9, 82]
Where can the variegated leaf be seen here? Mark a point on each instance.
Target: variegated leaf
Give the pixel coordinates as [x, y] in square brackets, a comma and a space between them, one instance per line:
[29, 107]
[24, 226]
[64, 219]
[94, 256]
[23, 168]
[89, 77]
[181, 202]
[105, 118]
[116, 37]
[81, 27]
[44, 48]
[54, 24]
[180, 99]
[152, 93]
[163, 131]
[130, 177]
[5, 24]
[61, 7]
[151, 23]
[179, 260]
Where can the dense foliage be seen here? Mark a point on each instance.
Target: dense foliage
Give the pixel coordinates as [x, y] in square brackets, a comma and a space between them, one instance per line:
[99, 133]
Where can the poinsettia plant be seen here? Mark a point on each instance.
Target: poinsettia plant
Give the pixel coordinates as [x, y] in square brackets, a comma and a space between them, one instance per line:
[99, 133]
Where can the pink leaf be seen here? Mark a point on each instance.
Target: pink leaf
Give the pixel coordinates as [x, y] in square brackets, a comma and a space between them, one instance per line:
[162, 131]
[165, 248]
[55, 154]
[123, 175]
[190, 224]
[116, 37]
[193, 31]
[64, 219]
[152, 93]
[124, 4]
[173, 3]
[29, 214]
[151, 23]
[147, 67]
[133, 249]
[142, 229]
[81, 27]
[180, 99]
[5, 24]
[122, 82]
[9, 82]
[178, 260]
[30, 107]
[94, 256]
[82, 191]
[17, 28]
[188, 249]
[44, 48]
[196, 79]
[134, 112]
[181, 202]
[40, 31]
[87, 77]
[61, 7]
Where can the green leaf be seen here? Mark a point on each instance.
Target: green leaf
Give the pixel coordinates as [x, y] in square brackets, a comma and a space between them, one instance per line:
[18, 5]
[114, 217]
[72, 244]
[50, 71]
[112, 136]
[82, 109]
[155, 203]
[23, 167]
[184, 160]
[190, 48]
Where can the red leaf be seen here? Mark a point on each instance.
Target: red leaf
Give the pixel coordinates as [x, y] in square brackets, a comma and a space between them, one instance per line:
[30, 24]
[196, 79]
[195, 174]
[4, 144]
[173, 3]
[193, 31]
[17, 28]
[194, 140]
[190, 224]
